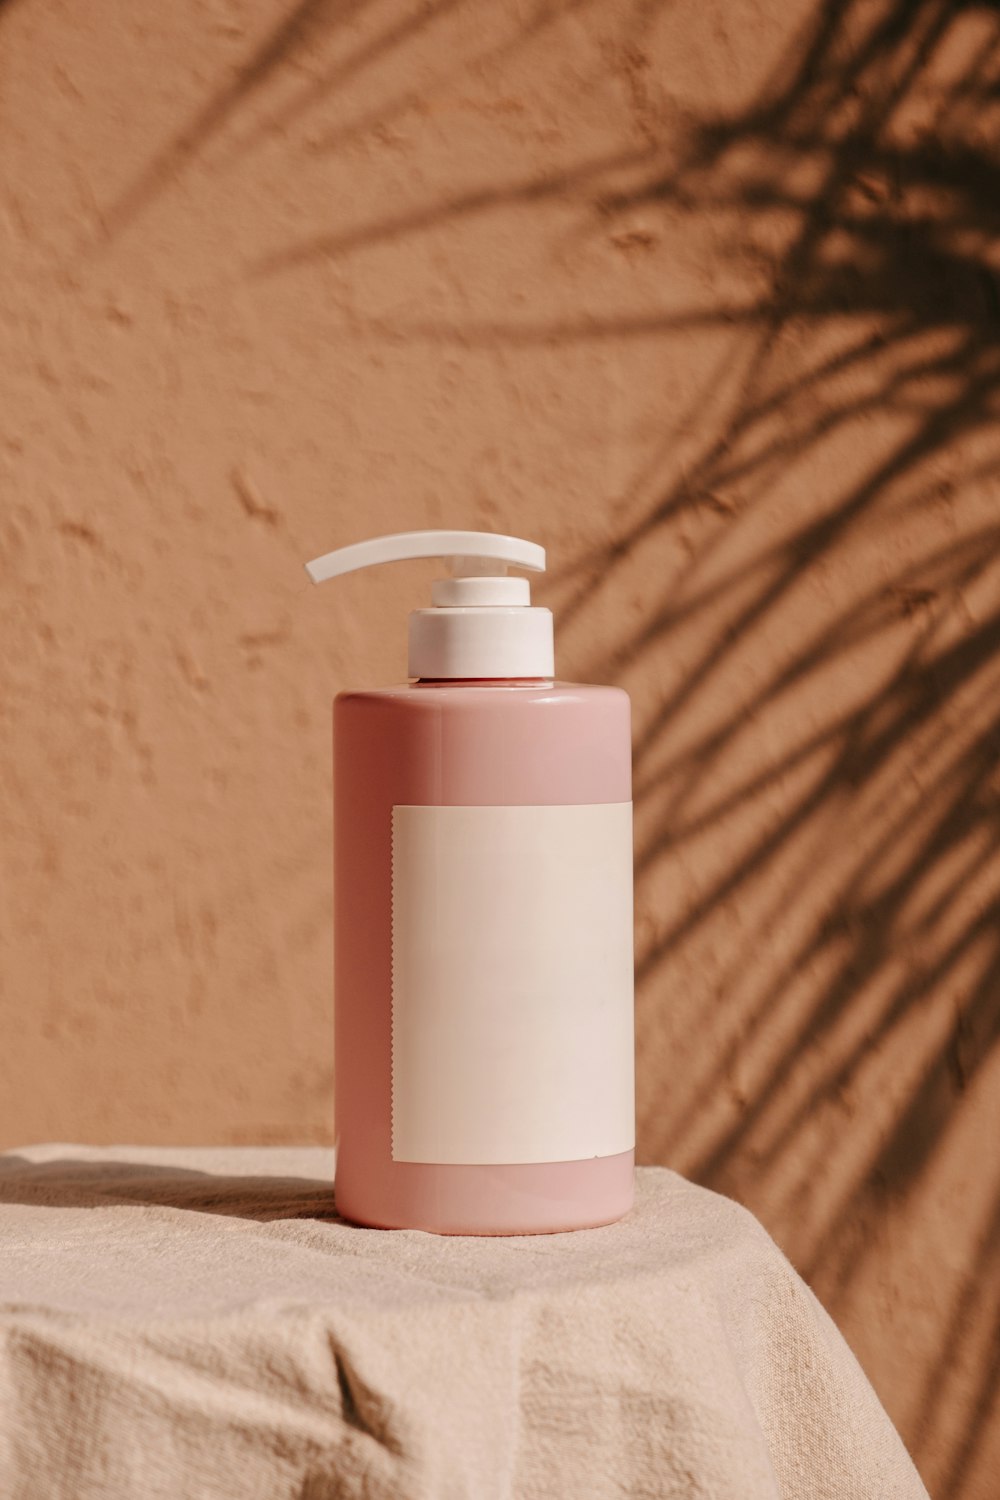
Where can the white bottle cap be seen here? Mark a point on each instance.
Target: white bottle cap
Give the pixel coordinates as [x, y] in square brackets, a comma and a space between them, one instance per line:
[481, 624]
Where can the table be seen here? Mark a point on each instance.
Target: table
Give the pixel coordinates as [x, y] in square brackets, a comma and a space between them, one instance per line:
[198, 1324]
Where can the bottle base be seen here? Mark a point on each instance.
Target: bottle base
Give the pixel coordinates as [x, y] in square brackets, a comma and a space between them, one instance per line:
[534, 1198]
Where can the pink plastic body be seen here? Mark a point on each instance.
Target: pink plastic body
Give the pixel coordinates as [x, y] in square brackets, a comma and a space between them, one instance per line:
[451, 744]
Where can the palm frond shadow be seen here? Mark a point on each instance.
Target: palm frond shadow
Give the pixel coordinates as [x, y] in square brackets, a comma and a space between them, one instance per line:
[859, 1003]
[300, 38]
[292, 33]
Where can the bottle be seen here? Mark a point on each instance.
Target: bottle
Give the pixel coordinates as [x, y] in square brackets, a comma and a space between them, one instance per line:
[483, 960]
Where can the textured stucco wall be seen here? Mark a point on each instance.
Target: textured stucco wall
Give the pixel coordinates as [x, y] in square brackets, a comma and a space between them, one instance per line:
[702, 295]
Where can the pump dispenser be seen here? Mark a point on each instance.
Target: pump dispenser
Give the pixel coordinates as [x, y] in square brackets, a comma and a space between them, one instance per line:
[481, 623]
[482, 916]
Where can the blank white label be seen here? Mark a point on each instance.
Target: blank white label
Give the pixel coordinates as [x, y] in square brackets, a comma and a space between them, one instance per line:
[512, 983]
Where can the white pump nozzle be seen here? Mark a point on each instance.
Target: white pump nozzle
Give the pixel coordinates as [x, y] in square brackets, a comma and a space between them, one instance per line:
[477, 546]
[482, 624]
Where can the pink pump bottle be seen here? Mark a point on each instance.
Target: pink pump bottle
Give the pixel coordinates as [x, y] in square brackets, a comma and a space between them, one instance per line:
[484, 992]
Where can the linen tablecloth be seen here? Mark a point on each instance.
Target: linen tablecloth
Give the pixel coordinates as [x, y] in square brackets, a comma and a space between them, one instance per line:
[195, 1324]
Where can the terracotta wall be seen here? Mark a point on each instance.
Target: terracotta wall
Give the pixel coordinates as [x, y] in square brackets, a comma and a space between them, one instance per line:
[705, 296]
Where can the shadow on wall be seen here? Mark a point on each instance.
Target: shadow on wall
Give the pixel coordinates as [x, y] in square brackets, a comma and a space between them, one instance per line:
[816, 682]
[820, 781]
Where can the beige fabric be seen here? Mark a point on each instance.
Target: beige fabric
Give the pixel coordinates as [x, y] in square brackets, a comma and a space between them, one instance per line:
[198, 1324]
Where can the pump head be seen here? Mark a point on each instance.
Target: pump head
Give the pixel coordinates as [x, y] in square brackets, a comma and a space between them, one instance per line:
[481, 623]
